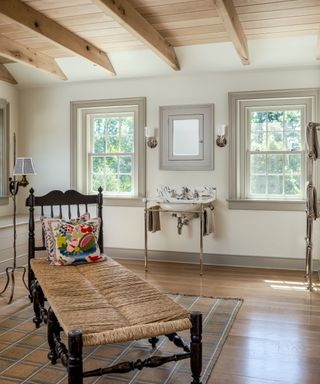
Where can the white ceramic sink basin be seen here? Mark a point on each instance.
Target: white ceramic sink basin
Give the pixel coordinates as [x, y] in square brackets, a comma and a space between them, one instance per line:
[182, 206]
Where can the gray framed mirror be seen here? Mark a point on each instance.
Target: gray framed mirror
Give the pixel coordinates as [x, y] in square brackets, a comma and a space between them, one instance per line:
[186, 137]
[4, 150]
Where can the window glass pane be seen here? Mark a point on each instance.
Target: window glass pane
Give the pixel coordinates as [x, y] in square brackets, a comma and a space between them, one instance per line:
[293, 120]
[125, 183]
[127, 134]
[97, 180]
[112, 183]
[258, 164]
[112, 127]
[258, 141]
[99, 135]
[258, 121]
[275, 120]
[258, 184]
[293, 140]
[113, 134]
[98, 164]
[293, 164]
[112, 164]
[125, 164]
[292, 185]
[275, 141]
[275, 185]
[275, 164]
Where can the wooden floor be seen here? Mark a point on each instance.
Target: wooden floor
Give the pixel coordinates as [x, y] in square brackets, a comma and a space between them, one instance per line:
[276, 336]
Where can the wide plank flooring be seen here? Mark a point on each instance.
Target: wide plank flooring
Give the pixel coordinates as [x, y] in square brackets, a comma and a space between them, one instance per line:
[276, 336]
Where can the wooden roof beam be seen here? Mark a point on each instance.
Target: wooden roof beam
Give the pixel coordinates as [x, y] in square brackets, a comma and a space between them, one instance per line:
[130, 19]
[6, 76]
[38, 22]
[17, 52]
[229, 16]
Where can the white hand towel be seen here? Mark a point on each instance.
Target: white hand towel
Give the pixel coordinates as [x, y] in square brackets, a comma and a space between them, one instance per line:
[312, 140]
[312, 201]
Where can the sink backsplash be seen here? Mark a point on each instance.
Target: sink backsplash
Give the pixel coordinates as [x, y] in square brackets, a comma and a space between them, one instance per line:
[185, 193]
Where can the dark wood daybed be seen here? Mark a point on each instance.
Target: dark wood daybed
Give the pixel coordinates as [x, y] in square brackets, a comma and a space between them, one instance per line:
[102, 303]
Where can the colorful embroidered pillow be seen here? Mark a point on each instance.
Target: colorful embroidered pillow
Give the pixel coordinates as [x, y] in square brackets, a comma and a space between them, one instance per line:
[49, 239]
[76, 243]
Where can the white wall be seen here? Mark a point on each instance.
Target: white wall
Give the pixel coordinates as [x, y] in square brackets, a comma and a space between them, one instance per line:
[10, 93]
[44, 134]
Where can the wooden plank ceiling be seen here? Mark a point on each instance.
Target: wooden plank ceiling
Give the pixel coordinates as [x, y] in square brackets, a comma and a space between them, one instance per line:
[113, 25]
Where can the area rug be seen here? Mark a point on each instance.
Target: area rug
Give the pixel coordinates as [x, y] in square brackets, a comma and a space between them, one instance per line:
[23, 349]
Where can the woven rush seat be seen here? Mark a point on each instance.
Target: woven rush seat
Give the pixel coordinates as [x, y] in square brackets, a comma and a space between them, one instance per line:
[107, 302]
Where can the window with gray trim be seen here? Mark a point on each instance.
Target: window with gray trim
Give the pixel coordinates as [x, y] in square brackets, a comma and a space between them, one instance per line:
[267, 155]
[4, 150]
[107, 148]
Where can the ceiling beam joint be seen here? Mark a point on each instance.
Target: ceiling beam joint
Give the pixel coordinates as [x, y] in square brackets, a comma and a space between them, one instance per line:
[32, 19]
[130, 19]
[230, 18]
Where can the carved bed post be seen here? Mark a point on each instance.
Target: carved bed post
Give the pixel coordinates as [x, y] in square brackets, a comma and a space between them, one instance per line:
[31, 243]
[100, 206]
[196, 346]
[75, 368]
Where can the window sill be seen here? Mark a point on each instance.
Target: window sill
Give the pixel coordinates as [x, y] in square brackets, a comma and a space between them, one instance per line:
[268, 205]
[123, 201]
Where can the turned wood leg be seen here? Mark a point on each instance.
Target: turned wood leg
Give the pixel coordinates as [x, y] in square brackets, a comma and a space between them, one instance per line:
[38, 304]
[153, 341]
[75, 367]
[196, 347]
[53, 330]
[35, 301]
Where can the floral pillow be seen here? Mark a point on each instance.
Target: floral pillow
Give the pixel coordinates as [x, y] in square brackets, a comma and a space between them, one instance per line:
[76, 242]
[49, 239]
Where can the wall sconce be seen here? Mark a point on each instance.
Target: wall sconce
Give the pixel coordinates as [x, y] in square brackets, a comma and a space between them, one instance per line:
[151, 140]
[221, 140]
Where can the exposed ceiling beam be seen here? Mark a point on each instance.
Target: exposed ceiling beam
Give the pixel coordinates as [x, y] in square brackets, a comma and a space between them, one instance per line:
[18, 52]
[4, 60]
[5, 75]
[38, 22]
[130, 19]
[231, 21]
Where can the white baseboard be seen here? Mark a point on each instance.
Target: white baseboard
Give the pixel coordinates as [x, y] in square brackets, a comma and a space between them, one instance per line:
[212, 259]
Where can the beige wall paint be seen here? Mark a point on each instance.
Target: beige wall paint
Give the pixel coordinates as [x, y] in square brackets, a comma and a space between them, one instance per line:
[44, 134]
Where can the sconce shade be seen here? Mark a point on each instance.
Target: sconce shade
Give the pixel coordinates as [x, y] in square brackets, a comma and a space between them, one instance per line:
[221, 130]
[149, 132]
[24, 166]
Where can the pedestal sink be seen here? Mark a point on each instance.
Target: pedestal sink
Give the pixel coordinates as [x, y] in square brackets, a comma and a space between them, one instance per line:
[181, 205]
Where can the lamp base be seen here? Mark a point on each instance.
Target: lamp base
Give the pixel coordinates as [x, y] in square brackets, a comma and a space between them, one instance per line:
[10, 276]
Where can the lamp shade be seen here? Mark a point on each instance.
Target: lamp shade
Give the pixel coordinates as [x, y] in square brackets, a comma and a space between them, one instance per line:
[24, 166]
[149, 132]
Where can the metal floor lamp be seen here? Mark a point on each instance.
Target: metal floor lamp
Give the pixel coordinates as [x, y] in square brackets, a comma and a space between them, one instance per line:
[23, 167]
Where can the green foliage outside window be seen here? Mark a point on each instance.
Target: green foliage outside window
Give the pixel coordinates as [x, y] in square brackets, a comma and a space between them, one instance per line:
[275, 153]
[112, 153]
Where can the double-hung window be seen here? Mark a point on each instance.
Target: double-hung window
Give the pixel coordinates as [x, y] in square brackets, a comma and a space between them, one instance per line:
[268, 148]
[108, 148]
[4, 150]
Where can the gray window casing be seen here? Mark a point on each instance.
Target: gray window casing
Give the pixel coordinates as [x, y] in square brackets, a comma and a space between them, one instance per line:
[79, 136]
[237, 102]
